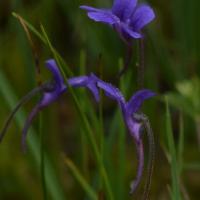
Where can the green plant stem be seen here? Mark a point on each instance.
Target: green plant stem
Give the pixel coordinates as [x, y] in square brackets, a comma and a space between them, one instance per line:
[101, 129]
[61, 63]
[84, 148]
[84, 120]
[173, 158]
[81, 179]
[42, 158]
[181, 145]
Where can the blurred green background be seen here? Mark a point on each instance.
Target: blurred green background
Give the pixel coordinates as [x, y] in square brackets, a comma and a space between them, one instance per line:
[172, 66]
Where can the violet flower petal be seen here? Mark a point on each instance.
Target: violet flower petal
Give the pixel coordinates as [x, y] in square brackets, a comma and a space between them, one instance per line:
[52, 66]
[89, 82]
[129, 9]
[113, 93]
[143, 15]
[119, 6]
[78, 81]
[91, 9]
[134, 104]
[104, 16]
[129, 33]
[58, 86]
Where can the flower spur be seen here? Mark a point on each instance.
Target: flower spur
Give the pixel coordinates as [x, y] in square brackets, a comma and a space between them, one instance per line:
[51, 91]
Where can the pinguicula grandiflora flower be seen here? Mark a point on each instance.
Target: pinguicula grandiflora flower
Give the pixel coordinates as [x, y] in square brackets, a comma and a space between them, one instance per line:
[52, 90]
[125, 16]
[135, 122]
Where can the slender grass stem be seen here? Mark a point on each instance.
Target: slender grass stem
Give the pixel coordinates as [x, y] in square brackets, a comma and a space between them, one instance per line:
[83, 117]
[84, 148]
[101, 125]
[173, 161]
[140, 74]
[151, 158]
[91, 193]
[42, 157]
[24, 100]
[44, 38]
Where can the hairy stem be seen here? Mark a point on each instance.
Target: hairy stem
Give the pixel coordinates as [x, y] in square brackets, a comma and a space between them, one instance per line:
[151, 158]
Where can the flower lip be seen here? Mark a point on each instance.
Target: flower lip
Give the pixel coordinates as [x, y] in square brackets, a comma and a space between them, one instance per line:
[135, 102]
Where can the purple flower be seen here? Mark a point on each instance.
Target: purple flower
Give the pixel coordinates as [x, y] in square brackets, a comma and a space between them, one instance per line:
[125, 16]
[134, 124]
[51, 91]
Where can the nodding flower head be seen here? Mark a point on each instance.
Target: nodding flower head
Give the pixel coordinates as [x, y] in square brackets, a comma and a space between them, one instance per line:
[52, 90]
[125, 16]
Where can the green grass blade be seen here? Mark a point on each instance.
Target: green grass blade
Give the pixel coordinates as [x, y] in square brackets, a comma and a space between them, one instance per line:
[83, 140]
[173, 161]
[42, 157]
[85, 121]
[89, 191]
[30, 27]
[44, 38]
[46, 42]
[181, 145]
[53, 185]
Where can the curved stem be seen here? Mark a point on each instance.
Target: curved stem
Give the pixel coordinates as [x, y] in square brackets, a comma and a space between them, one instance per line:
[141, 65]
[151, 158]
[42, 158]
[24, 100]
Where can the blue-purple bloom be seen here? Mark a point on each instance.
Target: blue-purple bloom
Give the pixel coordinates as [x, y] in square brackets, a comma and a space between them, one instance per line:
[53, 90]
[125, 16]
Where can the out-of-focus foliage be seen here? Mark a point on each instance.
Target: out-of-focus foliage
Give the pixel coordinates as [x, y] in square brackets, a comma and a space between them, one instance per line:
[188, 96]
[172, 49]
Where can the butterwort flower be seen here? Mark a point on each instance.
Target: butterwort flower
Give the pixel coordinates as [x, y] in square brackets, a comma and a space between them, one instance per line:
[134, 122]
[52, 90]
[126, 16]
